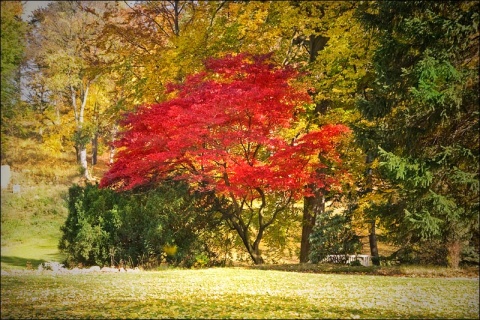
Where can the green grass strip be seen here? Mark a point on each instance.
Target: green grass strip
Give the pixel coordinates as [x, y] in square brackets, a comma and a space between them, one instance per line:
[236, 293]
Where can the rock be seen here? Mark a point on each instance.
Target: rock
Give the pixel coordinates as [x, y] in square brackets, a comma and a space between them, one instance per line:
[94, 269]
[16, 188]
[54, 266]
[107, 269]
[76, 270]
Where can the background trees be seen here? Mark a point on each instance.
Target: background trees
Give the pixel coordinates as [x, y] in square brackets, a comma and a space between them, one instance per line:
[401, 75]
[12, 55]
[423, 101]
[64, 62]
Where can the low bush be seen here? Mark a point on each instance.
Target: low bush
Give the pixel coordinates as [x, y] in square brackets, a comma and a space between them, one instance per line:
[134, 229]
[333, 235]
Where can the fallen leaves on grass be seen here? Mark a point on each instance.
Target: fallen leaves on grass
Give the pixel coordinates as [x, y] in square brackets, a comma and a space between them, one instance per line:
[236, 293]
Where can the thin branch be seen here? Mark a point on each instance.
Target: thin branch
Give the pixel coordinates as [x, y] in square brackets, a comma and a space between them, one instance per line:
[215, 13]
[148, 17]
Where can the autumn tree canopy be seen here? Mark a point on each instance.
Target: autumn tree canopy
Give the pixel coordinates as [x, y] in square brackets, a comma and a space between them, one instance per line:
[229, 131]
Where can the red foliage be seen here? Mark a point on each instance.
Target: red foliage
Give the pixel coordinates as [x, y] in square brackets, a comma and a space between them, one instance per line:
[222, 132]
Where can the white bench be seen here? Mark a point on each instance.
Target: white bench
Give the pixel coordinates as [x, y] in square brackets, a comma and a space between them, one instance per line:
[365, 259]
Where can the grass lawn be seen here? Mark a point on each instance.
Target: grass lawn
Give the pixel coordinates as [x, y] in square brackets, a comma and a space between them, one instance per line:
[235, 293]
[31, 222]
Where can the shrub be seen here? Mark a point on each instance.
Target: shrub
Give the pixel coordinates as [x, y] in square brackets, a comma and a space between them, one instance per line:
[333, 235]
[356, 263]
[108, 228]
[470, 256]
[432, 252]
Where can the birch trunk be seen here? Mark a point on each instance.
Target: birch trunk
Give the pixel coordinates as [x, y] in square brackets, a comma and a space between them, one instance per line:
[81, 147]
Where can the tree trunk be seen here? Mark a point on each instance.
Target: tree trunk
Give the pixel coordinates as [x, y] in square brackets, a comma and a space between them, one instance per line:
[77, 153]
[316, 44]
[112, 147]
[95, 134]
[112, 154]
[83, 162]
[373, 245]
[253, 251]
[243, 232]
[312, 207]
[80, 148]
[256, 256]
[454, 251]
[94, 149]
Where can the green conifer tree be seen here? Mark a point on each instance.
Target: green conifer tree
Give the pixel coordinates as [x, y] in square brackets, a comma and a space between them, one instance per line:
[423, 102]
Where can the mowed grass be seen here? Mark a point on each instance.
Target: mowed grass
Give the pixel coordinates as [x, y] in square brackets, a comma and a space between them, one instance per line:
[235, 293]
[31, 222]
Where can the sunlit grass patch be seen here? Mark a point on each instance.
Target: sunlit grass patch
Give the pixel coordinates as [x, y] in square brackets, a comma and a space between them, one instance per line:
[31, 222]
[236, 293]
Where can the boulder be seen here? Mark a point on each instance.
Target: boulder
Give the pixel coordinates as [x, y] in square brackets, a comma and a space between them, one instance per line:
[94, 269]
[107, 269]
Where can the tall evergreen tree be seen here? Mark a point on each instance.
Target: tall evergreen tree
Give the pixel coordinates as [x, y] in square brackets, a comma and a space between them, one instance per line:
[423, 104]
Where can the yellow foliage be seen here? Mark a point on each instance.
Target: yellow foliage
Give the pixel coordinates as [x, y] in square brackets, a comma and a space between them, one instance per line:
[170, 250]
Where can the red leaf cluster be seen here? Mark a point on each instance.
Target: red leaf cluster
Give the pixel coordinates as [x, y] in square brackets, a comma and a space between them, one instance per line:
[223, 132]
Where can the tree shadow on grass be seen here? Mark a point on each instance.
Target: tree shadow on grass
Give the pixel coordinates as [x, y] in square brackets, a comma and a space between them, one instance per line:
[21, 262]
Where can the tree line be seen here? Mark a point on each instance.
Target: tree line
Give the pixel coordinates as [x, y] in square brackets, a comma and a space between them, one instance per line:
[401, 76]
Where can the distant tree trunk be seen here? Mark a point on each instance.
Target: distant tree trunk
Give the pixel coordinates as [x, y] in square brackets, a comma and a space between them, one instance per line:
[94, 149]
[312, 207]
[77, 153]
[77, 120]
[316, 43]
[112, 154]
[373, 245]
[369, 187]
[95, 135]
[80, 147]
[83, 162]
[112, 147]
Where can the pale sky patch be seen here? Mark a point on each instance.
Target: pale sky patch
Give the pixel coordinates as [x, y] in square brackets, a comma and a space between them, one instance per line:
[30, 6]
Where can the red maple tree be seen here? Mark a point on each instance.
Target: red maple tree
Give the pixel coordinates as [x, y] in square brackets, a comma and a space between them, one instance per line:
[224, 134]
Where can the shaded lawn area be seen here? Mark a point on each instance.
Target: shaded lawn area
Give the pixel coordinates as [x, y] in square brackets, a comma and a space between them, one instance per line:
[33, 251]
[235, 293]
[423, 271]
